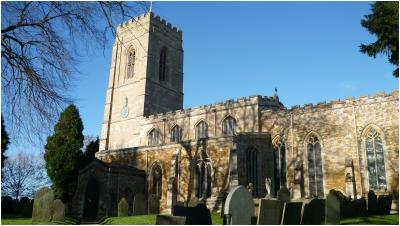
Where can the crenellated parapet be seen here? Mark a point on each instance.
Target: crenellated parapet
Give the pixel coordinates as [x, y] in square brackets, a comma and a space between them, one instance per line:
[264, 102]
[349, 101]
[155, 20]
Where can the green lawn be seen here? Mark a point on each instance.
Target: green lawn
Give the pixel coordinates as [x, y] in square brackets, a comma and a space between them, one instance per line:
[392, 219]
[378, 220]
[148, 220]
[15, 220]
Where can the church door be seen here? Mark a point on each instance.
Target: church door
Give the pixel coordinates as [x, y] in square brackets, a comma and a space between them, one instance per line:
[91, 200]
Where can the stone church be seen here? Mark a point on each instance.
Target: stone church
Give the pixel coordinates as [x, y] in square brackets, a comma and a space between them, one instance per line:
[151, 146]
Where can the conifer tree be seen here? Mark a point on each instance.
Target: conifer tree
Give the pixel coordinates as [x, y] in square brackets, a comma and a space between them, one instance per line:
[4, 142]
[62, 153]
[384, 23]
[90, 151]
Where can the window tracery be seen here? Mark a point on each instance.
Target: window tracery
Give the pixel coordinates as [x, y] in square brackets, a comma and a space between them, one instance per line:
[314, 160]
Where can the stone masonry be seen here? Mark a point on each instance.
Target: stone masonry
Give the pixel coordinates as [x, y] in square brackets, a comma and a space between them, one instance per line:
[138, 105]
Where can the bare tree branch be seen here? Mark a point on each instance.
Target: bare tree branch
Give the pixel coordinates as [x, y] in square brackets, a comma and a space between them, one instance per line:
[40, 50]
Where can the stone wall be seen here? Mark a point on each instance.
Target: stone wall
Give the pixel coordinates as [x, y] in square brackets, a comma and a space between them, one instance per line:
[340, 126]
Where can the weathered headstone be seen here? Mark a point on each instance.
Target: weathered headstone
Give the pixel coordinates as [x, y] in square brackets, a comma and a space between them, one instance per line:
[384, 204]
[153, 204]
[139, 204]
[199, 215]
[193, 202]
[123, 208]
[239, 206]
[284, 194]
[332, 208]
[59, 210]
[270, 212]
[43, 205]
[372, 203]
[292, 213]
[313, 212]
[170, 220]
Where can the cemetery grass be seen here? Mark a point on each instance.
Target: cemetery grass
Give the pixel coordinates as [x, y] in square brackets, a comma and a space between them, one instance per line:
[392, 219]
[148, 220]
[17, 220]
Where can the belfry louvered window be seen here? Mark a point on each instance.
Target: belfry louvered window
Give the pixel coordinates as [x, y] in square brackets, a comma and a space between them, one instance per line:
[280, 162]
[162, 70]
[375, 160]
[131, 64]
[314, 160]
[251, 170]
[229, 126]
[201, 130]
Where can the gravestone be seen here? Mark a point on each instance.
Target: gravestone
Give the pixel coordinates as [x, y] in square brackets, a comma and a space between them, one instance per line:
[199, 215]
[194, 202]
[313, 212]
[372, 203]
[170, 220]
[384, 204]
[292, 213]
[239, 206]
[332, 208]
[123, 208]
[59, 210]
[270, 212]
[154, 204]
[284, 194]
[139, 204]
[43, 205]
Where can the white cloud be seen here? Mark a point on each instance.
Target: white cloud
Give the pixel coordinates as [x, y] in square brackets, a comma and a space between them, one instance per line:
[347, 86]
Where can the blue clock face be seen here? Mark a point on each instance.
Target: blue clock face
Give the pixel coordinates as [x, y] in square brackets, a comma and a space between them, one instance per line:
[125, 112]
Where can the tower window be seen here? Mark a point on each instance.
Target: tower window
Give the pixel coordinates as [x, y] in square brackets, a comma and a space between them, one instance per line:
[176, 134]
[229, 126]
[131, 63]
[201, 130]
[163, 65]
[154, 137]
[375, 160]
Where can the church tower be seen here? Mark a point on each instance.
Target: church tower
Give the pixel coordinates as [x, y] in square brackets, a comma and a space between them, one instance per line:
[146, 76]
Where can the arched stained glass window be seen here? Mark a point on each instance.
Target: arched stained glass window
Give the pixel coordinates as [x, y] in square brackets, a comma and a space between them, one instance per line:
[156, 182]
[229, 126]
[251, 169]
[314, 160]
[279, 162]
[154, 137]
[201, 130]
[162, 70]
[131, 63]
[176, 134]
[203, 175]
[375, 160]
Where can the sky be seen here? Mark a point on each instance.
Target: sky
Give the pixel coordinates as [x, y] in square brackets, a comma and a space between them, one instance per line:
[308, 50]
